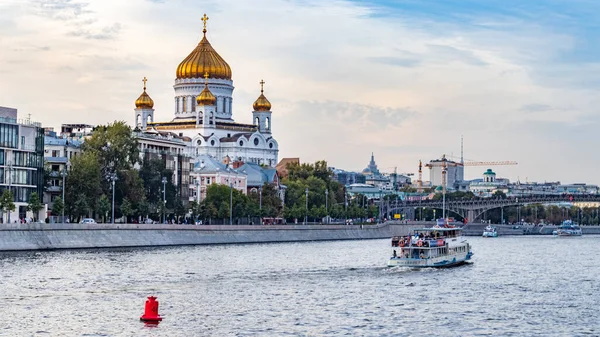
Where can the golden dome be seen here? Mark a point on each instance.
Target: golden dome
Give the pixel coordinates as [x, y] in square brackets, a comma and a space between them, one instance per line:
[262, 103]
[144, 101]
[206, 97]
[203, 59]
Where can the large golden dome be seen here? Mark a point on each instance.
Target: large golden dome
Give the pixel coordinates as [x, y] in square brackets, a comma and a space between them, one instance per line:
[144, 101]
[262, 103]
[204, 59]
[206, 97]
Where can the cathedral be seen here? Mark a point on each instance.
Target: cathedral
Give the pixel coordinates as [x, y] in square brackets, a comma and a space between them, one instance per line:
[203, 115]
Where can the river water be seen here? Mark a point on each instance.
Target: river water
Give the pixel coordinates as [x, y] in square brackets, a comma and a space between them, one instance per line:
[515, 286]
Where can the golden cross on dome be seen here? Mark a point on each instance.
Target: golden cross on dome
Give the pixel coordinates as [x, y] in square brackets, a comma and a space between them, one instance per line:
[262, 83]
[204, 18]
[206, 78]
[144, 80]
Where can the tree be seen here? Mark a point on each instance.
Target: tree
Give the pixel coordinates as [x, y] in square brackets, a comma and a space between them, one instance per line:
[58, 206]
[7, 203]
[34, 205]
[115, 147]
[103, 207]
[127, 209]
[151, 172]
[84, 184]
[80, 207]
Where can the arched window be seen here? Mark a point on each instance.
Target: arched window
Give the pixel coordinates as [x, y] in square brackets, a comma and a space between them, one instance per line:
[267, 123]
[184, 104]
[256, 141]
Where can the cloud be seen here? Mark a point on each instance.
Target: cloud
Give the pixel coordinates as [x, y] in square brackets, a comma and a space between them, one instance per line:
[402, 79]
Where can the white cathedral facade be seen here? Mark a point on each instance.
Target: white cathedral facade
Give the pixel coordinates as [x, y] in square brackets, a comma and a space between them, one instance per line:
[203, 115]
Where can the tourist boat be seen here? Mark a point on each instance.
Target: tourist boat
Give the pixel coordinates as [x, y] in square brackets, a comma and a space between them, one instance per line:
[430, 247]
[490, 232]
[568, 228]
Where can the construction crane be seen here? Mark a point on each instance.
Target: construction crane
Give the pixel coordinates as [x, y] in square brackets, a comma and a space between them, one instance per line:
[469, 162]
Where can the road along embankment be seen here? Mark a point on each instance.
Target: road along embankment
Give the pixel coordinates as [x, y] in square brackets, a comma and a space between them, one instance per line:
[35, 236]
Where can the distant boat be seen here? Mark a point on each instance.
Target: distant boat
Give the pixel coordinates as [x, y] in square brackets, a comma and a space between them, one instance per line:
[490, 232]
[430, 247]
[568, 228]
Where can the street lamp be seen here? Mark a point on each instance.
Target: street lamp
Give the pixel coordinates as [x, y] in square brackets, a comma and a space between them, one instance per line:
[230, 199]
[327, 205]
[306, 210]
[164, 182]
[64, 175]
[113, 178]
[260, 198]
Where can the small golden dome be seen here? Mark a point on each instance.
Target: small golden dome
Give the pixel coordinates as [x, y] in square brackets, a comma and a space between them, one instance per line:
[203, 59]
[206, 97]
[144, 101]
[262, 103]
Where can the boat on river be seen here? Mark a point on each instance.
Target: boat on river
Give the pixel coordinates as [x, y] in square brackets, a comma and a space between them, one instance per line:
[430, 247]
[568, 228]
[490, 232]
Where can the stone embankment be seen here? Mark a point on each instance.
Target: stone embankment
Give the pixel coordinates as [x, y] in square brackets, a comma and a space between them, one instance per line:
[36, 236]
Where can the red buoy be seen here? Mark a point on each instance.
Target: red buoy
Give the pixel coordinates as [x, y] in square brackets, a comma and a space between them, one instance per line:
[151, 311]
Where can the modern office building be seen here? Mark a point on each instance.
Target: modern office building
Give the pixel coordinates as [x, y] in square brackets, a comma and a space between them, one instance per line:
[21, 162]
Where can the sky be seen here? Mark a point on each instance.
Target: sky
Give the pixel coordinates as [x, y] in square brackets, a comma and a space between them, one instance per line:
[404, 79]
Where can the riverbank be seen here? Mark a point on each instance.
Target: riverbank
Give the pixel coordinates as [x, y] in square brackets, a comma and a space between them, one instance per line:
[38, 236]
[476, 229]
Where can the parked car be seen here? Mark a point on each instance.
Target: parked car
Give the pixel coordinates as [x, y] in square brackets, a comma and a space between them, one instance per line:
[88, 221]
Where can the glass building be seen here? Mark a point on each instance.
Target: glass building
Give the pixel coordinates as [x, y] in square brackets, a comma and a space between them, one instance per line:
[21, 161]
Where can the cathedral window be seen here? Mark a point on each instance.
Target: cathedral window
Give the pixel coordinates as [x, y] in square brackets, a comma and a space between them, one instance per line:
[199, 142]
[256, 141]
[270, 145]
[184, 100]
[241, 143]
[212, 142]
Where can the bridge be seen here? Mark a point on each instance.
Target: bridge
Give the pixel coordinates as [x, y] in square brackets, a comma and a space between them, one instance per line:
[472, 209]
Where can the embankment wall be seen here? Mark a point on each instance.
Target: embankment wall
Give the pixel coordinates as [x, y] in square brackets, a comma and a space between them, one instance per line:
[15, 237]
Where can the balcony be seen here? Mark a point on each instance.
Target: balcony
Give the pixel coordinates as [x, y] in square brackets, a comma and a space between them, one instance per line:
[54, 189]
[56, 160]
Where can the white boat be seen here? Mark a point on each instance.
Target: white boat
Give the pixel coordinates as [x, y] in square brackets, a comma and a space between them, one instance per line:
[430, 247]
[568, 228]
[490, 232]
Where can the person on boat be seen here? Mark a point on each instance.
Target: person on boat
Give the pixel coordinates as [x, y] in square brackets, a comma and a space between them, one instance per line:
[395, 255]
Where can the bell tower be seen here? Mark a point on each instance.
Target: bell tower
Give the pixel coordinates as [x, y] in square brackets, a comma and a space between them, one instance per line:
[261, 115]
[144, 109]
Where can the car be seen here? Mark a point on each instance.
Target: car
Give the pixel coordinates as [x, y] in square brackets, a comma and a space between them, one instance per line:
[88, 221]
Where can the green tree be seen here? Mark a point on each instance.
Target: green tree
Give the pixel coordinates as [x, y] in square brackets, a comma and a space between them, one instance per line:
[143, 209]
[131, 187]
[7, 203]
[223, 210]
[103, 207]
[115, 147]
[34, 205]
[80, 207]
[58, 206]
[151, 172]
[83, 184]
[127, 209]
